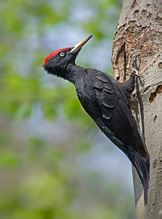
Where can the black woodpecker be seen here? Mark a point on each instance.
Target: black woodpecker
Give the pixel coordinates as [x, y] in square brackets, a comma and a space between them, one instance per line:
[107, 102]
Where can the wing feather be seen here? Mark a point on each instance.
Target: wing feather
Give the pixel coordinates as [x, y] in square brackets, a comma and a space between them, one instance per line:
[105, 95]
[116, 114]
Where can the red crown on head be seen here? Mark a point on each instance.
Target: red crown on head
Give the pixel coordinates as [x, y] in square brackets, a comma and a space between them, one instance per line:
[54, 54]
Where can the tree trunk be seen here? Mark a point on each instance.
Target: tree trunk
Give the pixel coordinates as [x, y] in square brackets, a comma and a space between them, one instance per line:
[139, 33]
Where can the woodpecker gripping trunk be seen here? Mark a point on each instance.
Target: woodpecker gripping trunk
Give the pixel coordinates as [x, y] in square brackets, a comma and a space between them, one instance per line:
[107, 103]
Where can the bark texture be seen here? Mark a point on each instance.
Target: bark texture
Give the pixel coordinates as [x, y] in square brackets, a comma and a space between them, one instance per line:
[139, 32]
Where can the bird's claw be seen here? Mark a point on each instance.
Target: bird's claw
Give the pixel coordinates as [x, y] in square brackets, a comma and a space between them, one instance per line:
[136, 72]
[136, 62]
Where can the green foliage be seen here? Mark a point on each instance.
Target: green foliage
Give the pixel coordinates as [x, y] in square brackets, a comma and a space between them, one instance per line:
[41, 177]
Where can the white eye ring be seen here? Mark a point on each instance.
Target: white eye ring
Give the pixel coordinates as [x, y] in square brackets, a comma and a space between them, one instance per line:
[62, 54]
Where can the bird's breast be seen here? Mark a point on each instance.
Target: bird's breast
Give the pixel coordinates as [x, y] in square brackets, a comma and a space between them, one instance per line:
[86, 97]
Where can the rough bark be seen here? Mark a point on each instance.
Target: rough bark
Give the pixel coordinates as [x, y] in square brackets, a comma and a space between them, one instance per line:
[139, 32]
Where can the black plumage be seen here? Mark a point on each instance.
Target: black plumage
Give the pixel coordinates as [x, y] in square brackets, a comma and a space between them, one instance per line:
[107, 102]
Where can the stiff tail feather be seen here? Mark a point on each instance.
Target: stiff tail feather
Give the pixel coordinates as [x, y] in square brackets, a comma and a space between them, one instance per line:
[142, 166]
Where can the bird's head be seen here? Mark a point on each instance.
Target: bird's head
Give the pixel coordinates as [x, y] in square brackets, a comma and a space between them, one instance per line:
[56, 63]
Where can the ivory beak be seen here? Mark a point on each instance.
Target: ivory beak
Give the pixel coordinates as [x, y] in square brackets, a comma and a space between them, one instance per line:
[80, 44]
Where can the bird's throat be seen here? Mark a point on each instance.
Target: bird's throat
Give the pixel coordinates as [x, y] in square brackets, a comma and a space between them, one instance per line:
[73, 72]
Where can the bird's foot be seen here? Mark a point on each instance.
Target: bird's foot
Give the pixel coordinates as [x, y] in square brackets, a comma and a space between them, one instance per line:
[136, 62]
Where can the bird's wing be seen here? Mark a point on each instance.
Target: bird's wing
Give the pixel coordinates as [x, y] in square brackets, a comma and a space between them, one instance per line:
[108, 106]
[105, 96]
[115, 113]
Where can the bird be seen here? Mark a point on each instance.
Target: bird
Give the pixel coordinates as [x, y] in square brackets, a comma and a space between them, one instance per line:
[107, 102]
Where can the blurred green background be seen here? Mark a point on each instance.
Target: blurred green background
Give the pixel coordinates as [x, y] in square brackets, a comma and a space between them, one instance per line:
[54, 161]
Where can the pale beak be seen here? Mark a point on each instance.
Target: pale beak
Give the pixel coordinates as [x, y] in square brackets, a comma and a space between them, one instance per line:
[79, 45]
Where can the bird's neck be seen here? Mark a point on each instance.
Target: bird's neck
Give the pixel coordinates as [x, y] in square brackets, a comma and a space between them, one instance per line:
[73, 72]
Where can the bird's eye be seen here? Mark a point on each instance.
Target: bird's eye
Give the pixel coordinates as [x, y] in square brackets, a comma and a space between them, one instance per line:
[62, 54]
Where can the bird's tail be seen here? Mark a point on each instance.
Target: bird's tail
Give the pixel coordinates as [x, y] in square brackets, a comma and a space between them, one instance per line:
[142, 166]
